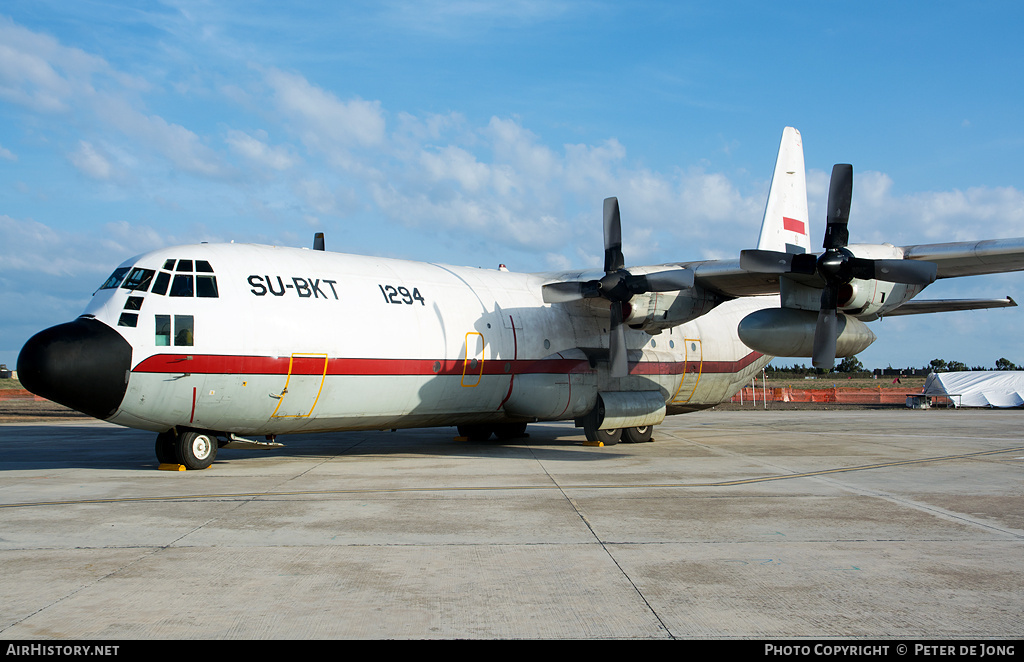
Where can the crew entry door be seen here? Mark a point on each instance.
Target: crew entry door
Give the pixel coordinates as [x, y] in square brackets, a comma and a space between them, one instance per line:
[302, 387]
[691, 372]
[473, 360]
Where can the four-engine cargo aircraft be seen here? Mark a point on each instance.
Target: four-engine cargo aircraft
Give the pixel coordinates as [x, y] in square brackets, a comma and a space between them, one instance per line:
[206, 343]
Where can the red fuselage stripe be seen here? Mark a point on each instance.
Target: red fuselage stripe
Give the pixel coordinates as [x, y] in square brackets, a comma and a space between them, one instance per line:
[313, 365]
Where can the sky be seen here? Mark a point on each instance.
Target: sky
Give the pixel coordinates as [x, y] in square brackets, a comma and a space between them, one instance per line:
[475, 133]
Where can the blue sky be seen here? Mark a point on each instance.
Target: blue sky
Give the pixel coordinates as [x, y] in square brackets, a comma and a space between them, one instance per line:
[474, 132]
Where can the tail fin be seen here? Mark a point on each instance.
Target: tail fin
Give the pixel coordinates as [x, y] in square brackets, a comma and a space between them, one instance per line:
[785, 226]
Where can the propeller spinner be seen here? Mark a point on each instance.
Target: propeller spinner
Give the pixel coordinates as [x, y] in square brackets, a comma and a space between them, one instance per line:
[617, 286]
[837, 265]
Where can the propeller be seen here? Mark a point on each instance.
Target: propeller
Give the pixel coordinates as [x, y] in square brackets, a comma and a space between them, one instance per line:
[617, 286]
[837, 265]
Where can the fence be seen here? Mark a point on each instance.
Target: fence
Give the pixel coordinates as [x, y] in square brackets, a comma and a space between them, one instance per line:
[846, 396]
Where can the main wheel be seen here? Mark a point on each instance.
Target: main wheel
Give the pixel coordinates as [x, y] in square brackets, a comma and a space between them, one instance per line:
[638, 435]
[591, 430]
[606, 437]
[196, 450]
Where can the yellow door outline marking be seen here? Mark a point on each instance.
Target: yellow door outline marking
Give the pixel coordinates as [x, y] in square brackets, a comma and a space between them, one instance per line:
[700, 369]
[284, 393]
[467, 361]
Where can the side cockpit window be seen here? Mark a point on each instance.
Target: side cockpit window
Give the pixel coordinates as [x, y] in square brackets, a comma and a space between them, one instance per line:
[115, 278]
[139, 280]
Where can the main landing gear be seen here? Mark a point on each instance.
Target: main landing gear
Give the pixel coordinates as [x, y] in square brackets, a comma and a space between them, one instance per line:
[625, 435]
[594, 434]
[191, 448]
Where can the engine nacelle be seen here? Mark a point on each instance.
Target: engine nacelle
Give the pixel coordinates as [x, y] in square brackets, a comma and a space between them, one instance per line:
[788, 332]
[866, 300]
[656, 311]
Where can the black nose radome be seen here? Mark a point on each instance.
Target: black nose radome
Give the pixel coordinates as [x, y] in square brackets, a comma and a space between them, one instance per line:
[82, 364]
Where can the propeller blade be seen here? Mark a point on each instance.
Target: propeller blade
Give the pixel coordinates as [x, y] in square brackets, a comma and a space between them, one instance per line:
[840, 194]
[824, 351]
[617, 343]
[777, 262]
[613, 260]
[668, 281]
[911, 272]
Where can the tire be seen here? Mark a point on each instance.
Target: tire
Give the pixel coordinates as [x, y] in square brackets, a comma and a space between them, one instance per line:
[593, 433]
[165, 448]
[606, 437]
[196, 450]
[638, 435]
[475, 432]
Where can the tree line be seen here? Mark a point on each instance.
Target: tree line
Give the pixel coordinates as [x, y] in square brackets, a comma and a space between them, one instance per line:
[852, 366]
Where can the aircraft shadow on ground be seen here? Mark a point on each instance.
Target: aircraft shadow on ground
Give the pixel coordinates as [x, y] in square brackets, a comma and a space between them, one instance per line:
[88, 447]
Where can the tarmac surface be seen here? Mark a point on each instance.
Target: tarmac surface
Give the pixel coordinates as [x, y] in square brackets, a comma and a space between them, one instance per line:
[874, 524]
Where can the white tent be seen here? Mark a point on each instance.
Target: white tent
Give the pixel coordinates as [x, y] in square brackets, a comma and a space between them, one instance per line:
[1003, 388]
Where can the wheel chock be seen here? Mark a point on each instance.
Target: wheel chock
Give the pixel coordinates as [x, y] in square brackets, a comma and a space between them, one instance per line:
[599, 444]
[172, 467]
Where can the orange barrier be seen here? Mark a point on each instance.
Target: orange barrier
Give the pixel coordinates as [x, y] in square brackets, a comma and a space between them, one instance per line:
[19, 394]
[848, 396]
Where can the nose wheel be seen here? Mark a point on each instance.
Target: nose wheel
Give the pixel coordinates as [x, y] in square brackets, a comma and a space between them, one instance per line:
[191, 448]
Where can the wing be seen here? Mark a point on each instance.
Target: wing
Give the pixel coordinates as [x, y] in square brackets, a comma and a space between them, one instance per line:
[727, 278]
[971, 258]
[956, 259]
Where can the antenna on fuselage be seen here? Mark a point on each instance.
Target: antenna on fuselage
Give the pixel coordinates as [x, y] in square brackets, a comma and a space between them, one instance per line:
[318, 241]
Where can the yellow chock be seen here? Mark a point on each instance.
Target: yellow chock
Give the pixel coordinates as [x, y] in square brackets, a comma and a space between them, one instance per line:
[599, 444]
[172, 467]
[460, 439]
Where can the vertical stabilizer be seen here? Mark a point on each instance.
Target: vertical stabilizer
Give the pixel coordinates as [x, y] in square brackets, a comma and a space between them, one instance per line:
[785, 226]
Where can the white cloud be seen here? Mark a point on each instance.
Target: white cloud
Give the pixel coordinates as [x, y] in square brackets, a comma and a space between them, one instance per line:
[7, 154]
[879, 215]
[323, 121]
[259, 152]
[451, 18]
[455, 164]
[33, 247]
[90, 162]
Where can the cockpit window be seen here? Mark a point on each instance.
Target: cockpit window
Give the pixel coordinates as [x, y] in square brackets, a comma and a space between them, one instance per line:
[139, 280]
[189, 279]
[206, 286]
[163, 279]
[115, 278]
[182, 285]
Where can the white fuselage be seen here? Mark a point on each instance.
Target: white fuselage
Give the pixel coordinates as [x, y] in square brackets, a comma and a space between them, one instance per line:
[302, 340]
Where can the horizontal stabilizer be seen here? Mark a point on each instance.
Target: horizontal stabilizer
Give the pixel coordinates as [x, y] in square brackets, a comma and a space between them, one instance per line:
[949, 305]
